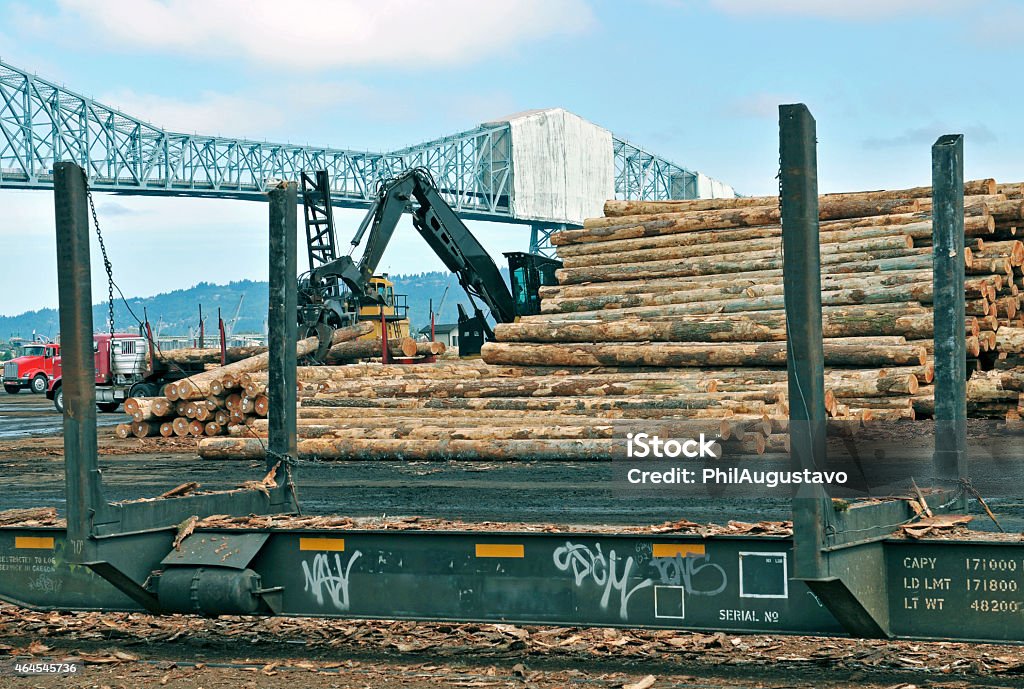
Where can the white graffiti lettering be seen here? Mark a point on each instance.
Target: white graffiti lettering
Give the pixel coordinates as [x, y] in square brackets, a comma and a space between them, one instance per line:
[682, 571]
[602, 570]
[322, 577]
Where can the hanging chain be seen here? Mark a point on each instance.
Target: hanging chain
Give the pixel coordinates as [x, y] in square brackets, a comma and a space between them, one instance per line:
[106, 261]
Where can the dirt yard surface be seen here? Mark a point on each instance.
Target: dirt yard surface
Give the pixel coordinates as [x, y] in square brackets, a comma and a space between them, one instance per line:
[25, 415]
[132, 650]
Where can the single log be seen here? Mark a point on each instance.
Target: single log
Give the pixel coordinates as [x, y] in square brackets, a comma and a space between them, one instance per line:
[254, 388]
[715, 301]
[143, 429]
[425, 431]
[752, 306]
[166, 429]
[1010, 340]
[459, 418]
[203, 412]
[895, 259]
[892, 241]
[261, 405]
[716, 328]
[882, 385]
[194, 356]
[749, 279]
[701, 405]
[972, 345]
[602, 229]
[1003, 211]
[911, 321]
[558, 386]
[423, 450]
[366, 349]
[618, 208]
[196, 428]
[163, 407]
[213, 428]
[180, 426]
[1010, 379]
[688, 354]
[123, 430]
[198, 385]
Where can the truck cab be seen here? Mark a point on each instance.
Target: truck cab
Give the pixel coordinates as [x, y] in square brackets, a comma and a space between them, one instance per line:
[122, 371]
[33, 369]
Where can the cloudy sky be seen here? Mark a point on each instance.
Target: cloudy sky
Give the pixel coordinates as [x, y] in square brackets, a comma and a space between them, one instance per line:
[697, 81]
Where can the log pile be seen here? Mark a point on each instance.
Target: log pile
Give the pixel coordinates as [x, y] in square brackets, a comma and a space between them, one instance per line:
[671, 313]
[697, 285]
[470, 410]
[207, 403]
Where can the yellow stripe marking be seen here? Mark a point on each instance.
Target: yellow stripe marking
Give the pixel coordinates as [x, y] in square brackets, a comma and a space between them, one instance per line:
[674, 549]
[500, 550]
[337, 544]
[34, 542]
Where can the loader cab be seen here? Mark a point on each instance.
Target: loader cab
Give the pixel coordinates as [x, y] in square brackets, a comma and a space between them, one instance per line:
[528, 273]
[393, 307]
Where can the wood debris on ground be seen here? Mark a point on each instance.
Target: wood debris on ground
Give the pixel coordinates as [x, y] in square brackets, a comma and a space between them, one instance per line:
[120, 637]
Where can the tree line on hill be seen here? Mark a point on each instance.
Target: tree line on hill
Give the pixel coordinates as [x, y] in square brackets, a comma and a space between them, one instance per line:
[176, 313]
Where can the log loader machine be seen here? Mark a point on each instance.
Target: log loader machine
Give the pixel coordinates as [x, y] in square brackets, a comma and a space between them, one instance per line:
[338, 291]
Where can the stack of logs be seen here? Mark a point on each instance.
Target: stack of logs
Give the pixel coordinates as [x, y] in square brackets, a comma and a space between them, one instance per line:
[672, 313]
[471, 410]
[698, 285]
[212, 402]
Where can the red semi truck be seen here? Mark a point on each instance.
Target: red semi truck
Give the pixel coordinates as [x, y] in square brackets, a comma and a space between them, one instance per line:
[33, 369]
[123, 369]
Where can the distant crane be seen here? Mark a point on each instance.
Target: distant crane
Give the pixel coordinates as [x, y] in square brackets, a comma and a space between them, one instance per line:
[230, 327]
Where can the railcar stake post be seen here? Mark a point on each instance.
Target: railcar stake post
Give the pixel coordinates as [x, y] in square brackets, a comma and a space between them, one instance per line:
[283, 326]
[78, 381]
[950, 457]
[798, 202]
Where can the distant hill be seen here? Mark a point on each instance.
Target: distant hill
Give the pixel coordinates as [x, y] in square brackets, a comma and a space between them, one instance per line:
[177, 312]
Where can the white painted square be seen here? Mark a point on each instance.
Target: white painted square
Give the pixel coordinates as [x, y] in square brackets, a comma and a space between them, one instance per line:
[785, 575]
[670, 591]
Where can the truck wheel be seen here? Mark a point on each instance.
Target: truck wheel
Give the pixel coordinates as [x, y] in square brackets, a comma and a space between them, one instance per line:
[39, 384]
[58, 400]
[143, 390]
[107, 407]
[12, 389]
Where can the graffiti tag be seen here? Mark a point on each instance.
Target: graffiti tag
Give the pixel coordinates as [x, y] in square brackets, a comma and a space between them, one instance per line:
[323, 577]
[608, 571]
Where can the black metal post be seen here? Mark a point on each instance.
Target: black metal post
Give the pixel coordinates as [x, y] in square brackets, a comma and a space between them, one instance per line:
[950, 458]
[78, 377]
[283, 324]
[805, 358]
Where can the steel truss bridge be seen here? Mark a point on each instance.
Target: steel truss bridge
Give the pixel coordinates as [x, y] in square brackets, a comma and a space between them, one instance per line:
[42, 123]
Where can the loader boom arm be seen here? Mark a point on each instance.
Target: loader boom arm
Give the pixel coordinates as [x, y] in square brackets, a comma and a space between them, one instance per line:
[443, 230]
